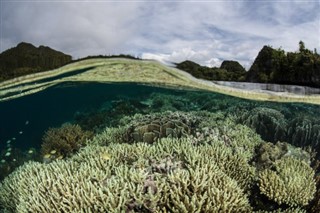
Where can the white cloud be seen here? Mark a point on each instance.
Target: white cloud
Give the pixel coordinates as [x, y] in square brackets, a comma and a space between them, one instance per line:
[201, 57]
[205, 32]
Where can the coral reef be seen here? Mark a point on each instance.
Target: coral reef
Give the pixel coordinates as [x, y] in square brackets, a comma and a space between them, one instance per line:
[207, 165]
[314, 206]
[268, 153]
[16, 158]
[123, 177]
[151, 127]
[297, 129]
[269, 123]
[291, 182]
[205, 189]
[304, 131]
[91, 121]
[64, 141]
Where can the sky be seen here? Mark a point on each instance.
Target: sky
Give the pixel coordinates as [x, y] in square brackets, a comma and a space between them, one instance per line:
[206, 32]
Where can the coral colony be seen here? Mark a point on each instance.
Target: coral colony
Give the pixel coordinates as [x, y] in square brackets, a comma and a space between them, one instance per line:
[165, 162]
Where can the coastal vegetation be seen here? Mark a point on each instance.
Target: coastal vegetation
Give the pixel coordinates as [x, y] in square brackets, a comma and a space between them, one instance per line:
[270, 66]
[228, 71]
[277, 66]
[26, 59]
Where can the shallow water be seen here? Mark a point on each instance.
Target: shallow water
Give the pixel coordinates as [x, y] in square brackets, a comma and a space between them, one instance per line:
[26, 118]
[95, 106]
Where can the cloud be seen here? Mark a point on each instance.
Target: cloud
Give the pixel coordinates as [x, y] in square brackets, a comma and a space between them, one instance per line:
[78, 28]
[206, 32]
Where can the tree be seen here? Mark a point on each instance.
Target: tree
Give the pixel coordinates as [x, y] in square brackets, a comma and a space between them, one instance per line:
[302, 47]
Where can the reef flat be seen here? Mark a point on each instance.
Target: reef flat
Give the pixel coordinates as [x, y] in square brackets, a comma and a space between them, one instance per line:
[164, 162]
[143, 72]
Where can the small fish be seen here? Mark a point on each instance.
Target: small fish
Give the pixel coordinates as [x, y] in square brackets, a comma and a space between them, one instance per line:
[9, 141]
[13, 138]
[20, 132]
[30, 151]
[8, 154]
[9, 149]
[3, 161]
[14, 160]
[47, 156]
[60, 157]
[27, 122]
[53, 152]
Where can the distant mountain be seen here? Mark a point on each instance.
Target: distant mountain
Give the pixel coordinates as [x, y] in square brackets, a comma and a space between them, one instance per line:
[26, 58]
[228, 71]
[277, 66]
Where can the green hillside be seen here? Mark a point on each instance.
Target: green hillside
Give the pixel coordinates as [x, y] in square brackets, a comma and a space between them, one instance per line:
[26, 58]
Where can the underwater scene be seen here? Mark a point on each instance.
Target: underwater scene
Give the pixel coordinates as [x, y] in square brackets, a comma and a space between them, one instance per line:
[127, 147]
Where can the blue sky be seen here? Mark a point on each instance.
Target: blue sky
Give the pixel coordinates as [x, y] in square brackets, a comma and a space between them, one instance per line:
[206, 32]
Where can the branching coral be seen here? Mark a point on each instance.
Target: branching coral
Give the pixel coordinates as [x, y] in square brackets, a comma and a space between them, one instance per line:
[62, 142]
[267, 122]
[205, 189]
[168, 175]
[291, 183]
[123, 177]
[304, 131]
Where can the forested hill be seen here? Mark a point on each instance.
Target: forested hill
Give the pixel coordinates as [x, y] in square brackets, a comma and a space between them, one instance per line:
[270, 66]
[228, 71]
[26, 58]
[277, 66]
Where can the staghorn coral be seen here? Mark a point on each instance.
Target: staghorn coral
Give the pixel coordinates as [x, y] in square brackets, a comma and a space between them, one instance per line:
[64, 141]
[171, 175]
[122, 177]
[205, 189]
[291, 183]
[269, 123]
[233, 165]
